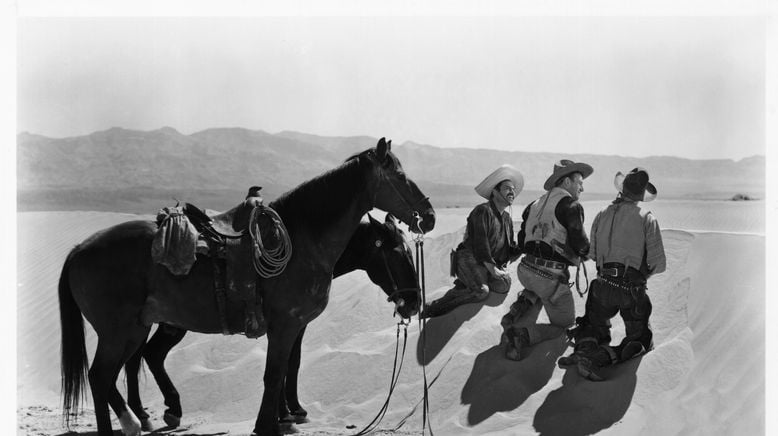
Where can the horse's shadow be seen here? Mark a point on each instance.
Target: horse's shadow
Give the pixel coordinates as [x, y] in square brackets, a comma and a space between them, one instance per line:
[582, 407]
[166, 431]
[439, 330]
[497, 384]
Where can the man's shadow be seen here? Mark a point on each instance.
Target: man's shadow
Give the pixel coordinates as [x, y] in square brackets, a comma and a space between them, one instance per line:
[583, 407]
[497, 384]
[439, 330]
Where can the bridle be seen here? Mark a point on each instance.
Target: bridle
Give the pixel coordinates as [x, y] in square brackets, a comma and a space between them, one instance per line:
[411, 207]
[396, 295]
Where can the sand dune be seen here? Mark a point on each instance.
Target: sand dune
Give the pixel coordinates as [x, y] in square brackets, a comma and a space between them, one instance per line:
[706, 375]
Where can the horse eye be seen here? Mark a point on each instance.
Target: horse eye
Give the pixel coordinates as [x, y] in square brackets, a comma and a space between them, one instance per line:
[379, 243]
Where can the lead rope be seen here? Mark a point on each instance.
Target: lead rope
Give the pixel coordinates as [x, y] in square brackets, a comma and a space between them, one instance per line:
[419, 239]
[586, 277]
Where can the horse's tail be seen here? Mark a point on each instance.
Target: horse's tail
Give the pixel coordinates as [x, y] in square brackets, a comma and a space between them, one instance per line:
[74, 359]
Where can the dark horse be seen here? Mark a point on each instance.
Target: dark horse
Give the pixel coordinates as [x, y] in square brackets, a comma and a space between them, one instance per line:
[377, 248]
[111, 279]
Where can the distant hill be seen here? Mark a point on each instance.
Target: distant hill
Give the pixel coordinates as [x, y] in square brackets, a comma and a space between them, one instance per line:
[135, 171]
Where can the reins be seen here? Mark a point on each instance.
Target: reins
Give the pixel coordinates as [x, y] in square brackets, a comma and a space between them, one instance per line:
[419, 239]
[373, 425]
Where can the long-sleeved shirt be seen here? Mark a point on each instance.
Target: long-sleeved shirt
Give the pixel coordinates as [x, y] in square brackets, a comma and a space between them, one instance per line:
[652, 255]
[570, 214]
[489, 235]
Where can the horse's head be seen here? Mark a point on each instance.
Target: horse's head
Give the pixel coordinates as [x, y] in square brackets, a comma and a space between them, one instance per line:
[396, 193]
[390, 265]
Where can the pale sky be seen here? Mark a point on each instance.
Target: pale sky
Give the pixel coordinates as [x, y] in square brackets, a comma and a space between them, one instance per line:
[682, 78]
[685, 86]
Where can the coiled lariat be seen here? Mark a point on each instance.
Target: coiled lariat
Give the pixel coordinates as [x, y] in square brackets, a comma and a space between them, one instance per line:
[269, 262]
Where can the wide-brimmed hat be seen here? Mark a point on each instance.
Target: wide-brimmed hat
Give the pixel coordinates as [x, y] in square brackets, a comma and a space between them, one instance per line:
[635, 185]
[505, 172]
[564, 168]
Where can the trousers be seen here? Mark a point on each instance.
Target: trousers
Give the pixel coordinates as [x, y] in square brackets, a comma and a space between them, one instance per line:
[609, 297]
[545, 288]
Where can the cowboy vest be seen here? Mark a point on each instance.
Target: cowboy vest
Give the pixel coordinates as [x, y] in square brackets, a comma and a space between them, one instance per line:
[620, 236]
[542, 224]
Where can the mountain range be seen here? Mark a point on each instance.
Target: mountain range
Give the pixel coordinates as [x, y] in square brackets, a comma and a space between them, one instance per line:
[140, 171]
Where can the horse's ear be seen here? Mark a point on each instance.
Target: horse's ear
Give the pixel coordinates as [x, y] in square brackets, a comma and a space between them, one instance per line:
[372, 220]
[381, 148]
[389, 145]
[390, 219]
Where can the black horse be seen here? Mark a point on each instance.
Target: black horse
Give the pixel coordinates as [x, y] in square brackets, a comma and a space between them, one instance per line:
[377, 248]
[111, 280]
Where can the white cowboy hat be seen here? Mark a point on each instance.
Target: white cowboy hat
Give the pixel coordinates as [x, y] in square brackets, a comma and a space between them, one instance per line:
[635, 185]
[505, 172]
[564, 168]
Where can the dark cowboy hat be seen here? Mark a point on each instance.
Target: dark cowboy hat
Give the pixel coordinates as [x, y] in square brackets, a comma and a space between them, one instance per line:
[635, 185]
[505, 172]
[564, 168]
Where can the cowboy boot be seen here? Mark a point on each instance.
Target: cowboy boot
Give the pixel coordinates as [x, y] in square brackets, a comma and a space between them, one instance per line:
[519, 307]
[632, 350]
[517, 339]
[588, 369]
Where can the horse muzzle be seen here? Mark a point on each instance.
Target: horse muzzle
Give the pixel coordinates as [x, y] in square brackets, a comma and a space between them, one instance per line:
[425, 221]
[402, 307]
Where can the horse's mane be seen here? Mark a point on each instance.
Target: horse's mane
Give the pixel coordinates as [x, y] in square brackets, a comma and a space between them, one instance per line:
[322, 200]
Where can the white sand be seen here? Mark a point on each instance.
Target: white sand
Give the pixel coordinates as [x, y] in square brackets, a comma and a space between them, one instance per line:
[706, 375]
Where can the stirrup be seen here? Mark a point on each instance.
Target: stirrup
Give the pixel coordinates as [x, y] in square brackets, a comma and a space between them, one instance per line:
[254, 328]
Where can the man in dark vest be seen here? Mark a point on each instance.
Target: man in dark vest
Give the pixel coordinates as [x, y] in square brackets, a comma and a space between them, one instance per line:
[553, 239]
[488, 245]
[627, 248]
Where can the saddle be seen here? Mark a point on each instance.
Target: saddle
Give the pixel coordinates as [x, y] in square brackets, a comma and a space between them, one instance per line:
[233, 247]
[231, 224]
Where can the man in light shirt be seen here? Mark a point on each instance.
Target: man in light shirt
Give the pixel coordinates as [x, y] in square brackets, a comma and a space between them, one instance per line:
[626, 244]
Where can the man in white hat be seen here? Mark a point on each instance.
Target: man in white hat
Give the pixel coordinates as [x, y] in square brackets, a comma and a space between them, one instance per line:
[553, 239]
[488, 245]
[627, 247]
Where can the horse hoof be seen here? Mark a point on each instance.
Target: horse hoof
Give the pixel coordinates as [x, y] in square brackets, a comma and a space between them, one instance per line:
[288, 428]
[130, 424]
[286, 419]
[171, 420]
[299, 412]
[146, 425]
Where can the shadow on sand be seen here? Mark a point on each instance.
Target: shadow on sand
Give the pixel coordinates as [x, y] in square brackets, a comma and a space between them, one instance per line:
[441, 329]
[165, 431]
[582, 407]
[497, 384]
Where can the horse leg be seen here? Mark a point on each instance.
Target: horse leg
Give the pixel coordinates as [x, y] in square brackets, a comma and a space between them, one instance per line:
[165, 338]
[131, 370]
[108, 360]
[298, 413]
[279, 346]
[288, 405]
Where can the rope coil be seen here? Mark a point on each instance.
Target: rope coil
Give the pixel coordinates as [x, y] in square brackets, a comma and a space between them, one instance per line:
[269, 262]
